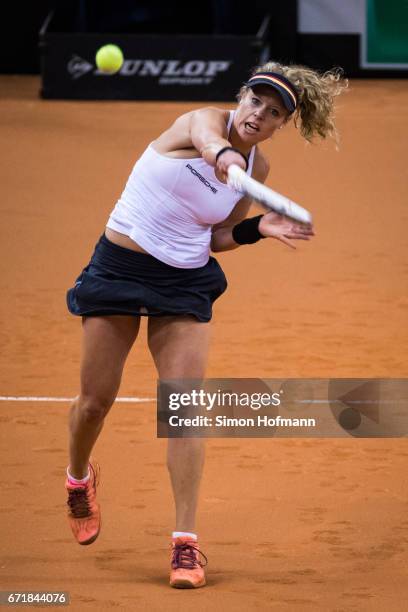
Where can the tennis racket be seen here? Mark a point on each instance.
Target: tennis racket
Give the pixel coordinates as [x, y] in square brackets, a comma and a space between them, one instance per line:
[271, 200]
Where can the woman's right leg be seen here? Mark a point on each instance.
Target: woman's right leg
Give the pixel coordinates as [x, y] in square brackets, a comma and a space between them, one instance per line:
[106, 343]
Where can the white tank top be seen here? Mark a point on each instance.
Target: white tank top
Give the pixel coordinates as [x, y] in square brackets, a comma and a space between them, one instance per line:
[170, 204]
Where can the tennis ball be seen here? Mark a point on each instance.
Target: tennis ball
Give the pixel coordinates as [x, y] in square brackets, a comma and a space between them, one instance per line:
[109, 59]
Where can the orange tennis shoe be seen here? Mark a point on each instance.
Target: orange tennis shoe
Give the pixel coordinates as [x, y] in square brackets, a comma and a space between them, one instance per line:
[84, 514]
[186, 568]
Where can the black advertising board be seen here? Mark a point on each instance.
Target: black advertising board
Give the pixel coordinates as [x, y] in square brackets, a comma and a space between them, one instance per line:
[156, 67]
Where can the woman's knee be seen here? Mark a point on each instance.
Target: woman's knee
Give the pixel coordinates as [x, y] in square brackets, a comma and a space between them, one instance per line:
[94, 409]
[185, 449]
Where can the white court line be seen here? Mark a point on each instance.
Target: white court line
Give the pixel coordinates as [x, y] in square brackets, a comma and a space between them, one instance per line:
[11, 398]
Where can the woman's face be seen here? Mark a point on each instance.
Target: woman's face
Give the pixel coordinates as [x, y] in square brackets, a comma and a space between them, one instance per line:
[260, 112]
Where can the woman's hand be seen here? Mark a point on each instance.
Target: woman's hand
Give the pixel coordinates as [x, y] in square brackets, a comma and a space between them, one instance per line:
[284, 229]
[225, 160]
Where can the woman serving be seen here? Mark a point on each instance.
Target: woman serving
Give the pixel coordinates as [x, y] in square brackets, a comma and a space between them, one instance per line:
[154, 260]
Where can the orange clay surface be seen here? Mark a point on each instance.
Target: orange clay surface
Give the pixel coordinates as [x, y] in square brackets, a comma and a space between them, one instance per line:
[293, 524]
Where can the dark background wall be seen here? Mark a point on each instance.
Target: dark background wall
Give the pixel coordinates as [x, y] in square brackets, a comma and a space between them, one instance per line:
[22, 21]
[20, 25]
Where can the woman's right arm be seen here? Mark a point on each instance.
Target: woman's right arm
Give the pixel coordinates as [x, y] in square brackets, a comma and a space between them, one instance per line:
[208, 132]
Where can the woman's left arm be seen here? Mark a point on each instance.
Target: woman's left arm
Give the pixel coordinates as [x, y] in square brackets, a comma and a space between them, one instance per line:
[271, 224]
[222, 239]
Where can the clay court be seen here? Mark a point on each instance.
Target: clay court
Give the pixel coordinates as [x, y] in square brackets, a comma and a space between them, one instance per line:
[294, 524]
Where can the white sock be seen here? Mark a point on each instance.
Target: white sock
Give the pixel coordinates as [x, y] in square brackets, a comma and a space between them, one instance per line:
[178, 534]
[78, 480]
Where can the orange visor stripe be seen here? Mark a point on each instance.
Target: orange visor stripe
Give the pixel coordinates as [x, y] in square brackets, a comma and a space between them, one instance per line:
[260, 75]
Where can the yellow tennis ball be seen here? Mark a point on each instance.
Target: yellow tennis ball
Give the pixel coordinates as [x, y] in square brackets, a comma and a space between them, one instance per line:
[109, 59]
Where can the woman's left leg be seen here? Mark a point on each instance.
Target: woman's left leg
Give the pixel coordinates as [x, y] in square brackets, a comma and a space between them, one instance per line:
[179, 347]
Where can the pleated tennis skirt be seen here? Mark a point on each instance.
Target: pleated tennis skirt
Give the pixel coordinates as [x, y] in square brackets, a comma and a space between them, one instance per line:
[119, 281]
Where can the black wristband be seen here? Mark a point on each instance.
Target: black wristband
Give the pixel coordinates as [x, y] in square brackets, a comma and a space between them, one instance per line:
[221, 151]
[247, 231]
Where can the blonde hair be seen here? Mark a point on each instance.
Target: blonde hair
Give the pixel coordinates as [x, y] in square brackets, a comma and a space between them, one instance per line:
[316, 93]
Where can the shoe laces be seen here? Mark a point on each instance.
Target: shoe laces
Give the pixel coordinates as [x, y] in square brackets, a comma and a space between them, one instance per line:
[79, 498]
[184, 557]
[78, 502]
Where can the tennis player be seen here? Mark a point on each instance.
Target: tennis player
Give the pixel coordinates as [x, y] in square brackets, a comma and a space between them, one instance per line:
[154, 260]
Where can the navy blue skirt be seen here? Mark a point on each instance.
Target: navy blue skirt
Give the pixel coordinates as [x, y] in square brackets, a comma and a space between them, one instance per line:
[119, 281]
